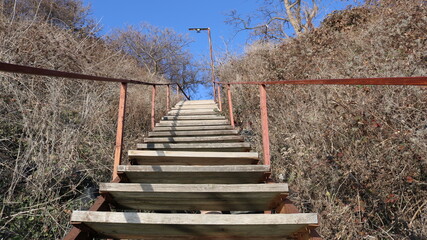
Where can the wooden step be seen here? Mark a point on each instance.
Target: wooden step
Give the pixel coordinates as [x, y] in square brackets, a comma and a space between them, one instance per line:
[192, 197]
[217, 147]
[193, 117]
[193, 128]
[195, 174]
[195, 109]
[192, 133]
[166, 123]
[223, 138]
[141, 157]
[192, 112]
[156, 226]
[195, 102]
[197, 106]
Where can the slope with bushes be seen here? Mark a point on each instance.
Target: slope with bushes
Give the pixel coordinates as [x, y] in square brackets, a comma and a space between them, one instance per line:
[57, 135]
[356, 155]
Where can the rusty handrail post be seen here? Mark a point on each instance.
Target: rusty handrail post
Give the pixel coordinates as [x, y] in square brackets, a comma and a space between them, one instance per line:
[264, 124]
[214, 92]
[120, 124]
[230, 105]
[153, 107]
[168, 97]
[219, 97]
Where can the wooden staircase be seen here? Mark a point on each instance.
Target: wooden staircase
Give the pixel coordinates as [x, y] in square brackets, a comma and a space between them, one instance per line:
[194, 162]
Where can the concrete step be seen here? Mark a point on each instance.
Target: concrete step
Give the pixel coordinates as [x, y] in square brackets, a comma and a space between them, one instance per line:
[193, 133]
[193, 117]
[195, 174]
[193, 128]
[213, 139]
[193, 197]
[206, 147]
[157, 226]
[167, 123]
[146, 157]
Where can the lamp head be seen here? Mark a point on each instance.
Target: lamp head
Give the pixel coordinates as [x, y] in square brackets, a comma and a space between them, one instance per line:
[198, 30]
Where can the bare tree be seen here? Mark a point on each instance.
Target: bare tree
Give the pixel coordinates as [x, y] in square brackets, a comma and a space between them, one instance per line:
[159, 51]
[274, 18]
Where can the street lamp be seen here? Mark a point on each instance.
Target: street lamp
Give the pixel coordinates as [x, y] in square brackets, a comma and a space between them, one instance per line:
[198, 30]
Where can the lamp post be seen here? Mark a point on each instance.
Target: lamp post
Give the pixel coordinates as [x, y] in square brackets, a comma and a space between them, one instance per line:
[198, 30]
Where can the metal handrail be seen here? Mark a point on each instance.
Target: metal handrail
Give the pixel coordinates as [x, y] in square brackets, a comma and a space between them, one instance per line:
[415, 81]
[397, 81]
[20, 69]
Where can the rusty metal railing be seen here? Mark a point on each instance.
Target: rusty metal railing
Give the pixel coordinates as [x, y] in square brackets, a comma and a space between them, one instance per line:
[403, 81]
[13, 68]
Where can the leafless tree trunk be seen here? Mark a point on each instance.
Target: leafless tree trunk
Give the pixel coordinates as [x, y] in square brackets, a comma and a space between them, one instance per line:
[273, 17]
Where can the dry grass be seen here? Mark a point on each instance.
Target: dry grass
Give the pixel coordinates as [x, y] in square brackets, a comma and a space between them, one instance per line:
[57, 135]
[356, 155]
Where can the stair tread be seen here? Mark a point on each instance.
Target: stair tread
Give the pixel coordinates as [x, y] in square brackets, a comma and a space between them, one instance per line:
[193, 133]
[229, 174]
[193, 128]
[166, 123]
[216, 197]
[192, 112]
[150, 157]
[193, 226]
[222, 138]
[182, 174]
[194, 117]
[190, 107]
[195, 102]
[225, 147]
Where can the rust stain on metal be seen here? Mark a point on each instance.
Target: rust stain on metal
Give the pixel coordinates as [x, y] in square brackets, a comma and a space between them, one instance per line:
[153, 107]
[264, 124]
[120, 125]
[415, 81]
[230, 105]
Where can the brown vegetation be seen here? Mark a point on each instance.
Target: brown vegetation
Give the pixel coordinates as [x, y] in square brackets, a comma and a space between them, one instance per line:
[57, 135]
[356, 155]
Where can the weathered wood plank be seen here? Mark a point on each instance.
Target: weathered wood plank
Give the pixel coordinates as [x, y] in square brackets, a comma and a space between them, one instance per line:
[193, 128]
[215, 197]
[193, 117]
[197, 106]
[192, 112]
[142, 157]
[218, 147]
[192, 123]
[223, 138]
[130, 225]
[193, 133]
[195, 174]
[196, 102]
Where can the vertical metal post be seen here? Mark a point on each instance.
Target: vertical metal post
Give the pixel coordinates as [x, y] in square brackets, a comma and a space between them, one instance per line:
[219, 97]
[264, 124]
[230, 105]
[119, 135]
[153, 107]
[214, 92]
[168, 97]
[212, 62]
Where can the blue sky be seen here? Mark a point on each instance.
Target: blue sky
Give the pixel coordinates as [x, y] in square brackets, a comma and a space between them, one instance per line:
[183, 14]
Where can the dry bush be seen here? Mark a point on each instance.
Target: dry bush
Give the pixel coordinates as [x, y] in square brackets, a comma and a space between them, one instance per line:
[57, 135]
[355, 155]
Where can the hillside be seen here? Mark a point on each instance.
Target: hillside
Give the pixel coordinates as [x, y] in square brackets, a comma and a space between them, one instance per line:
[356, 155]
[57, 135]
